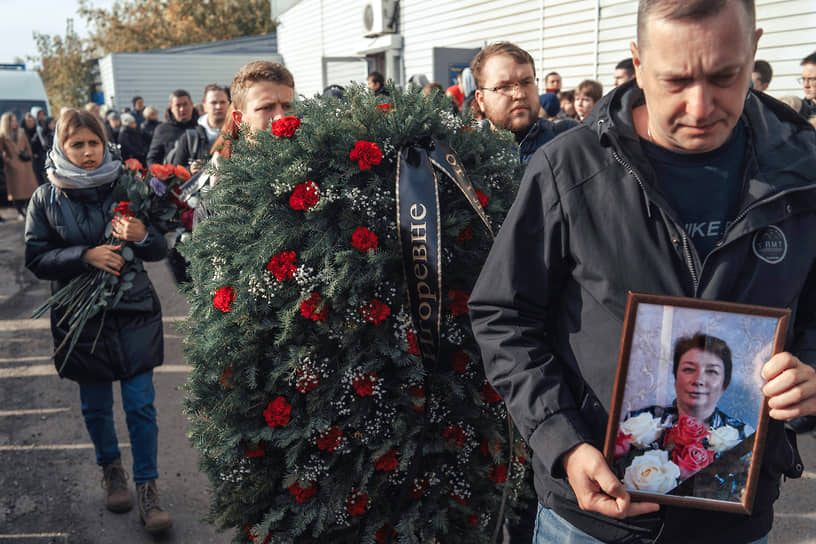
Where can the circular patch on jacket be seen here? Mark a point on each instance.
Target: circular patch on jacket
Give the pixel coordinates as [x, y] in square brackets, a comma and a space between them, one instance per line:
[770, 245]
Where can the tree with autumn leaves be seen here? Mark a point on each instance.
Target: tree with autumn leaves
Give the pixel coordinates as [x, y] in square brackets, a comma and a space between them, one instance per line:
[314, 414]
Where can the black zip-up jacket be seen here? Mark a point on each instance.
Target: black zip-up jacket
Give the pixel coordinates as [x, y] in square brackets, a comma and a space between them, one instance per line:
[589, 224]
[132, 340]
[165, 137]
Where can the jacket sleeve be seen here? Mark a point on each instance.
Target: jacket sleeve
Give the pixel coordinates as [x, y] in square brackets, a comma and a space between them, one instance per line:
[182, 153]
[155, 155]
[47, 255]
[513, 308]
[804, 337]
[154, 248]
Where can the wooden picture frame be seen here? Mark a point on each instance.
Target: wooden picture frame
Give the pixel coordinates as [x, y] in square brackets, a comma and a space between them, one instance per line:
[708, 355]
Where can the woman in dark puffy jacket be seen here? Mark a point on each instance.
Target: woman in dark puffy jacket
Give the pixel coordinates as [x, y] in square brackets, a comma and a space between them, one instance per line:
[65, 233]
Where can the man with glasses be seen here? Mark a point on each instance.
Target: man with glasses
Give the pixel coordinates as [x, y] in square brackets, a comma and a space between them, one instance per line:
[808, 82]
[507, 93]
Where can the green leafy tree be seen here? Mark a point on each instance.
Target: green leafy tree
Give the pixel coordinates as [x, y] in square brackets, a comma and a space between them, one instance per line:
[316, 418]
[64, 68]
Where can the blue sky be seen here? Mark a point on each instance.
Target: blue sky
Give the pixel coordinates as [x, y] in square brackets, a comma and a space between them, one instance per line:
[20, 18]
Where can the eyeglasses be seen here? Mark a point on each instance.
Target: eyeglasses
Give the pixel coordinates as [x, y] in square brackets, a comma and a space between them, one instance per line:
[806, 81]
[510, 89]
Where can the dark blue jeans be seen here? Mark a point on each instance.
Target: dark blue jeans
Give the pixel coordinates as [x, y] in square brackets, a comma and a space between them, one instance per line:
[137, 400]
[550, 528]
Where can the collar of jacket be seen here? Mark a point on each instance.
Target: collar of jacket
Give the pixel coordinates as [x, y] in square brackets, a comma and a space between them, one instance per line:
[781, 154]
[171, 119]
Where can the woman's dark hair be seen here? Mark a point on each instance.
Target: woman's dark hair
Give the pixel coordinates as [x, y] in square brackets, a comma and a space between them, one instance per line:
[704, 342]
[72, 120]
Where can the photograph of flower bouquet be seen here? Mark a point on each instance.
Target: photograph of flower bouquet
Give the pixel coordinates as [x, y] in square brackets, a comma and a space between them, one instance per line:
[688, 416]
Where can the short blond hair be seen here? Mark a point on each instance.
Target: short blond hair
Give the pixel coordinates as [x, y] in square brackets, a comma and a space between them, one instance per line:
[259, 70]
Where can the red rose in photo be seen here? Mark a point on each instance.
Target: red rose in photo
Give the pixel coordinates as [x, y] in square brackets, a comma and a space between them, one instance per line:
[311, 308]
[465, 235]
[375, 311]
[367, 154]
[282, 265]
[162, 171]
[382, 534]
[455, 434]
[387, 461]
[257, 451]
[123, 208]
[688, 430]
[182, 173]
[473, 520]
[498, 473]
[286, 126]
[223, 299]
[302, 494]
[133, 165]
[304, 196]
[364, 240]
[329, 440]
[623, 443]
[488, 394]
[459, 360]
[459, 300]
[691, 459]
[277, 413]
[357, 503]
[364, 385]
[413, 343]
[385, 107]
[483, 199]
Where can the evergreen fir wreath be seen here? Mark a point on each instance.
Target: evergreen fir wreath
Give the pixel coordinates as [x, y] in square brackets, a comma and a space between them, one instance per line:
[316, 418]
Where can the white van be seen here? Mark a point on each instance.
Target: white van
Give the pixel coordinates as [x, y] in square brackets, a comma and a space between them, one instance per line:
[21, 90]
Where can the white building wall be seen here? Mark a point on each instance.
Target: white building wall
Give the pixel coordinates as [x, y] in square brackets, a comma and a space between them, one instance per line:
[580, 39]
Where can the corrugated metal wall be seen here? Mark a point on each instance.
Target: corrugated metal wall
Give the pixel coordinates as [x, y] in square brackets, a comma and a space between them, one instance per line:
[578, 38]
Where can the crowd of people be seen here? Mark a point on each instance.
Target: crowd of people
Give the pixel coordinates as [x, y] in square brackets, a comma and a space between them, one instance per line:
[615, 163]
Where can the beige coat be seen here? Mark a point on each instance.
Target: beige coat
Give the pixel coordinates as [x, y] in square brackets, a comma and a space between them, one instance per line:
[20, 179]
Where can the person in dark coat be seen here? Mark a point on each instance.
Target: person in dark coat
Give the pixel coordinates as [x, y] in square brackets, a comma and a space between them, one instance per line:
[148, 126]
[132, 140]
[183, 116]
[64, 234]
[30, 125]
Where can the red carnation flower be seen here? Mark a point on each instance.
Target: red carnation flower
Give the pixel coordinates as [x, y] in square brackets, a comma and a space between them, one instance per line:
[330, 439]
[187, 219]
[277, 413]
[257, 451]
[465, 235]
[254, 538]
[459, 300]
[123, 208]
[375, 311]
[488, 394]
[133, 165]
[418, 398]
[385, 107]
[282, 265]
[364, 385]
[483, 199]
[309, 308]
[357, 503]
[457, 498]
[304, 196]
[382, 533]
[455, 434]
[459, 360]
[387, 461]
[285, 126]
[364, 240]
[413, 343]
[223, 299]
[488, 448]
[473, 520]
[498, 473]
[226, 377]
[367, 154]
[302, 494]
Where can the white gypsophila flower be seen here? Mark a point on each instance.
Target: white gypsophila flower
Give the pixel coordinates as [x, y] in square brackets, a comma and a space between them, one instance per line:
[218, 263]
[723, 438]
[449, 120]
[644, 429]
[651, 472]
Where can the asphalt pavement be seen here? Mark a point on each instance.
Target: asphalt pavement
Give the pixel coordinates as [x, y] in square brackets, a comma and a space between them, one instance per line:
[50, 487]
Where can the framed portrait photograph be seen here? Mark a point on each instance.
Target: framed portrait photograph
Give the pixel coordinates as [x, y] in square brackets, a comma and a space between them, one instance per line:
[688, 419]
